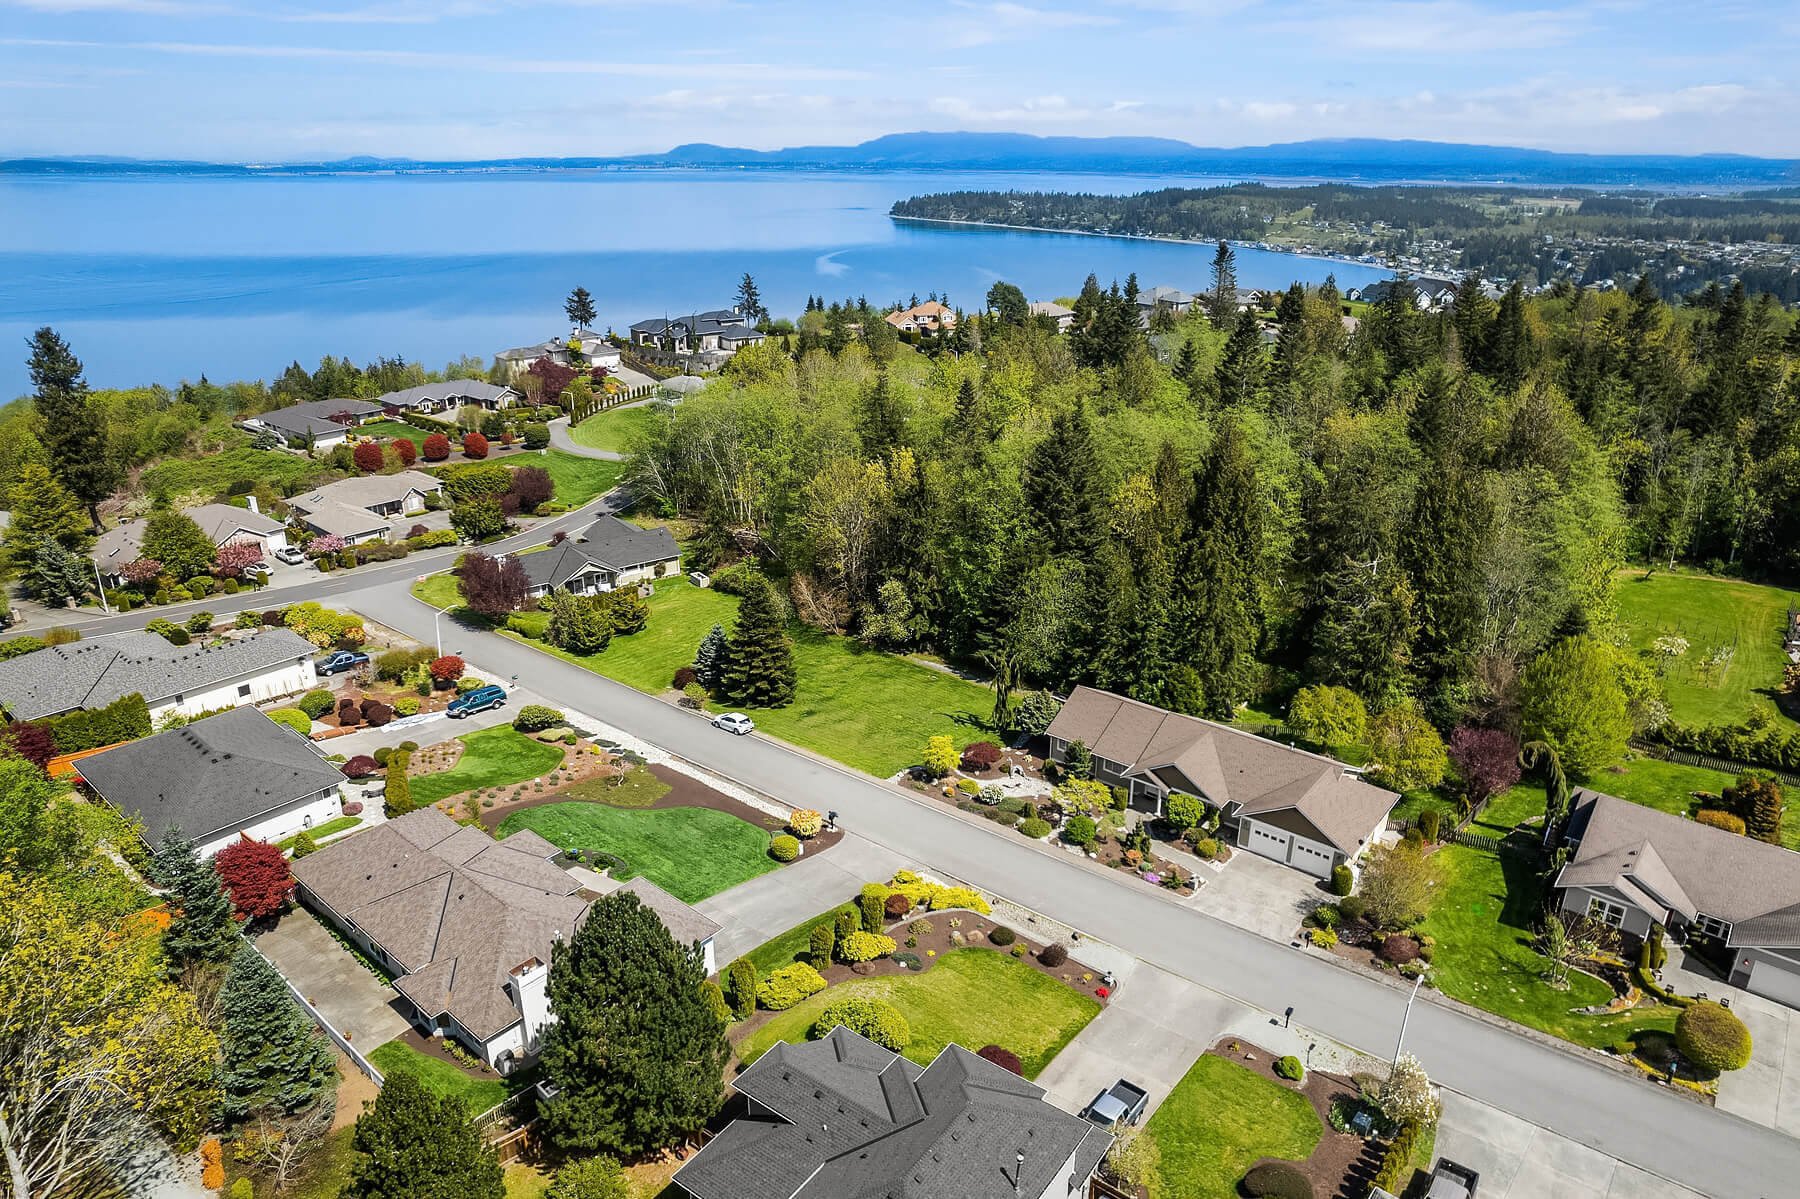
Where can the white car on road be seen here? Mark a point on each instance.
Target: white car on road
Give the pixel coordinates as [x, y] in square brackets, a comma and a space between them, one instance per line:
[734, 722]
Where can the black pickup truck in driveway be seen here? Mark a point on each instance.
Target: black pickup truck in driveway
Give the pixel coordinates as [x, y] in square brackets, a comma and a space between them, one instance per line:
[1452, 1181]
[1117, 1106]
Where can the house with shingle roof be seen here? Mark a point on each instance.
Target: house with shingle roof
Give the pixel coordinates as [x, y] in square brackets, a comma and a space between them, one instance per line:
[1302, 809]
[223, 523]
[594, 350]
[236, 774]
[1633, 866]
[843, 1118]
[448, 396]
[361, 508]
[929, 317]
[608, 554]
[467, 924]
[314, 424]
[185, 679]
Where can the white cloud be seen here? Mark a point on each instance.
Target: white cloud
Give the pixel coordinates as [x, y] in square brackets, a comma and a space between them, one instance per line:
[1431, 28]
[989, 21]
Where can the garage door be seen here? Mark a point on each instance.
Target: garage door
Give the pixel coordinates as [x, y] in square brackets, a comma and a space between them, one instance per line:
[1312, 859]
[1770, 979]
[1269, 842]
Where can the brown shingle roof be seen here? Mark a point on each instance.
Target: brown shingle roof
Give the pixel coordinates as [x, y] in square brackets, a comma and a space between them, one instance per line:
[1225, 764]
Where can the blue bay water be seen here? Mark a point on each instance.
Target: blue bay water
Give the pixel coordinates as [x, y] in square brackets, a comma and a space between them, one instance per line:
[155, 280]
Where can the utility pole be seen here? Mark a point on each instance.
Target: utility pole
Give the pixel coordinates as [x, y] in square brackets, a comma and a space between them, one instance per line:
[1406, 1016]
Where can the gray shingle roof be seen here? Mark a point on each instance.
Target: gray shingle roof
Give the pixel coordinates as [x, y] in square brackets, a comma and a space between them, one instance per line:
[684, 923]
[314, 416]
[620, 545]
[366, 491]
[125, 543]
[1227, 765]
[855, 1121]
[212, 777]
[473, 391]
[92, 674]
[1658, 859]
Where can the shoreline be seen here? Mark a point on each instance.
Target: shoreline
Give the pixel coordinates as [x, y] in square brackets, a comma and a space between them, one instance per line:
[1173, 241]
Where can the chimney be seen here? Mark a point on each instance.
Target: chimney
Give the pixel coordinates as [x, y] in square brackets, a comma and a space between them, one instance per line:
[529, 981]
[251, 501]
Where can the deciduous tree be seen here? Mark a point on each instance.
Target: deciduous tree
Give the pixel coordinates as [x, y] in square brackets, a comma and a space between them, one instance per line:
[436, 447]
[178, 543]
[368, 457]
[1486, 761]
[491, 586]
[256, 877]
[474, 445]
[1408, 753]
[1329, 716]
[637, 1054]
[1397, 885]
[1572, 701]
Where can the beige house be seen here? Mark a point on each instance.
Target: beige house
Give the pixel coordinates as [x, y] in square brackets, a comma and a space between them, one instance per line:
[929, 317]
[364, 508]
[225, 524]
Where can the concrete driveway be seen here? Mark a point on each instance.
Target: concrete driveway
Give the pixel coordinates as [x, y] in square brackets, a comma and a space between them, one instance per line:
[1149, 1034]
[359, 1005]
[770, 904]
[1260, 895]
[1519, 1160]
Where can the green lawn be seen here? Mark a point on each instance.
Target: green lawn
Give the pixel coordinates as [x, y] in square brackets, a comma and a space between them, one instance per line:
[789, 947]
[1713, 615]
[613, 429]
[442, 1078]
[212, 475]
[393, 430]
[494, 757]
[638, 789]
[1484, 921]
[973, 997]
[577, 479]
[689, 852]
[1220, 1120]
[440, 591]
[323, 831]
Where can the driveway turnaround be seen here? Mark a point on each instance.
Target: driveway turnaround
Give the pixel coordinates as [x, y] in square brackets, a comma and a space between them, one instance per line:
[1545, 1083]
[1259, 894]
[359, 1005]
[768, 905]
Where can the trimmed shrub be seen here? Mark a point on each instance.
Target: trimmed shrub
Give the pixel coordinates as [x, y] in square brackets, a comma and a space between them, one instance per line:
[382, 754]
[683, 676]
[1327, 915]
[740, 981]
[1003, 935]
[1342, 880]
[897, 906]
[804, 822]
[1053, 954]
[715, 999]
[1035, 828]
[376, 713]
[353, 807]
[397, 798]
[1710, 1036]
[1429, 821]
[1352, 908]
[1080, 830]
[982, 755]
[361, 766]
[407, 705]
[846, 922]
[872, 902]
[1277, 1180]
[821, 946]
[315, 703]
[875, 1019]
[1399, 948]
[1714, 818]
[1006, 1059]
[865, 947]
[1206, 848]
[1185, 811]
[1289, 1067]
[294, 719]
[1322, 938]
[789, 985]
[784, 848]
[303, 844]
[535, 718]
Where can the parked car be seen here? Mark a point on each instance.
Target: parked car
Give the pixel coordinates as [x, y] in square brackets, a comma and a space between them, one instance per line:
[1121, 1104]
[479, 700]
[734, 722]
[256, 570]
[1451, 1180]
[290, 554]
[342, 660]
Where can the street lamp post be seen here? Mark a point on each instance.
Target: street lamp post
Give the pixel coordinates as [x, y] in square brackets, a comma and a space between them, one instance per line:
[436, 630]
[1412, 995]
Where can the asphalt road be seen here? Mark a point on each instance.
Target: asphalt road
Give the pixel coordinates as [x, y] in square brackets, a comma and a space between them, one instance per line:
[1710, 1151]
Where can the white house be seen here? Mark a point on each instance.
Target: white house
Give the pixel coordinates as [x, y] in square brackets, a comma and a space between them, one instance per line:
[608, 554]
[237, 774]
[593, 351]
[226, 524]
[467, 923]
[186, 679]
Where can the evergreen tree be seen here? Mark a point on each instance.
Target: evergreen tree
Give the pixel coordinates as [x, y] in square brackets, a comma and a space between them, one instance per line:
[758, 667]
[1442, 548]
[74, 428]
[173, 539]
[201, 928]
[274, 1058]
[1062, 485]
[1366, 626]
[579, 308]
[1397, 327]
[749, 300]
[1217, 610]
[56, 577]
[1472, 317]
[708, 657]
[43, 513]
[1290, 338]
[1241, 367]
[1221, 298]
[411, 1144]
[637, 1054]
[1008, 304]
[883, 423]
[1509, 349]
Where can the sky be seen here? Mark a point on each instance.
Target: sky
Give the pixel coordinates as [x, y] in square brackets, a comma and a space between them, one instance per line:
[267, 80]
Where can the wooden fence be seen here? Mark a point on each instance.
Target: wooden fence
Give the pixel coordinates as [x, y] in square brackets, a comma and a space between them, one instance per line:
[1687, 757]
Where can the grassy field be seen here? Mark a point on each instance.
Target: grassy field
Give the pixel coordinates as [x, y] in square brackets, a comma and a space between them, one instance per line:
[613, 429]
[577, 479]
[973, 997]
[1220, 1120]
[440, 591]
[442, 1078]
[691, 853]
[393, 430]
[1484, 920]
[212, 475]
[494, 757]
[1714, 615]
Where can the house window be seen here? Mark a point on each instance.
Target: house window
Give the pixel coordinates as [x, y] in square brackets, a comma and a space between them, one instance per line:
[243, 690]
[1712, 926]
[1606, 912]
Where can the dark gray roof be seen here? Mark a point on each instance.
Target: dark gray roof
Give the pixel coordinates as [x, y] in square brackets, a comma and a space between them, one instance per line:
[92, 674]
[316, 416]
[852, 1120]
[1665, 864]
[212, 777]
[610, 543]
[474, 391]
[1226, 765]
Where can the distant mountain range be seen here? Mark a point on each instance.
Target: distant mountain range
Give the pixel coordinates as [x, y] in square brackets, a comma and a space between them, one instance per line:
[1351, 159]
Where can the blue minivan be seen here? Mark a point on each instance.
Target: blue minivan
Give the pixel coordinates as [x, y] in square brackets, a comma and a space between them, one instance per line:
[479, 700]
